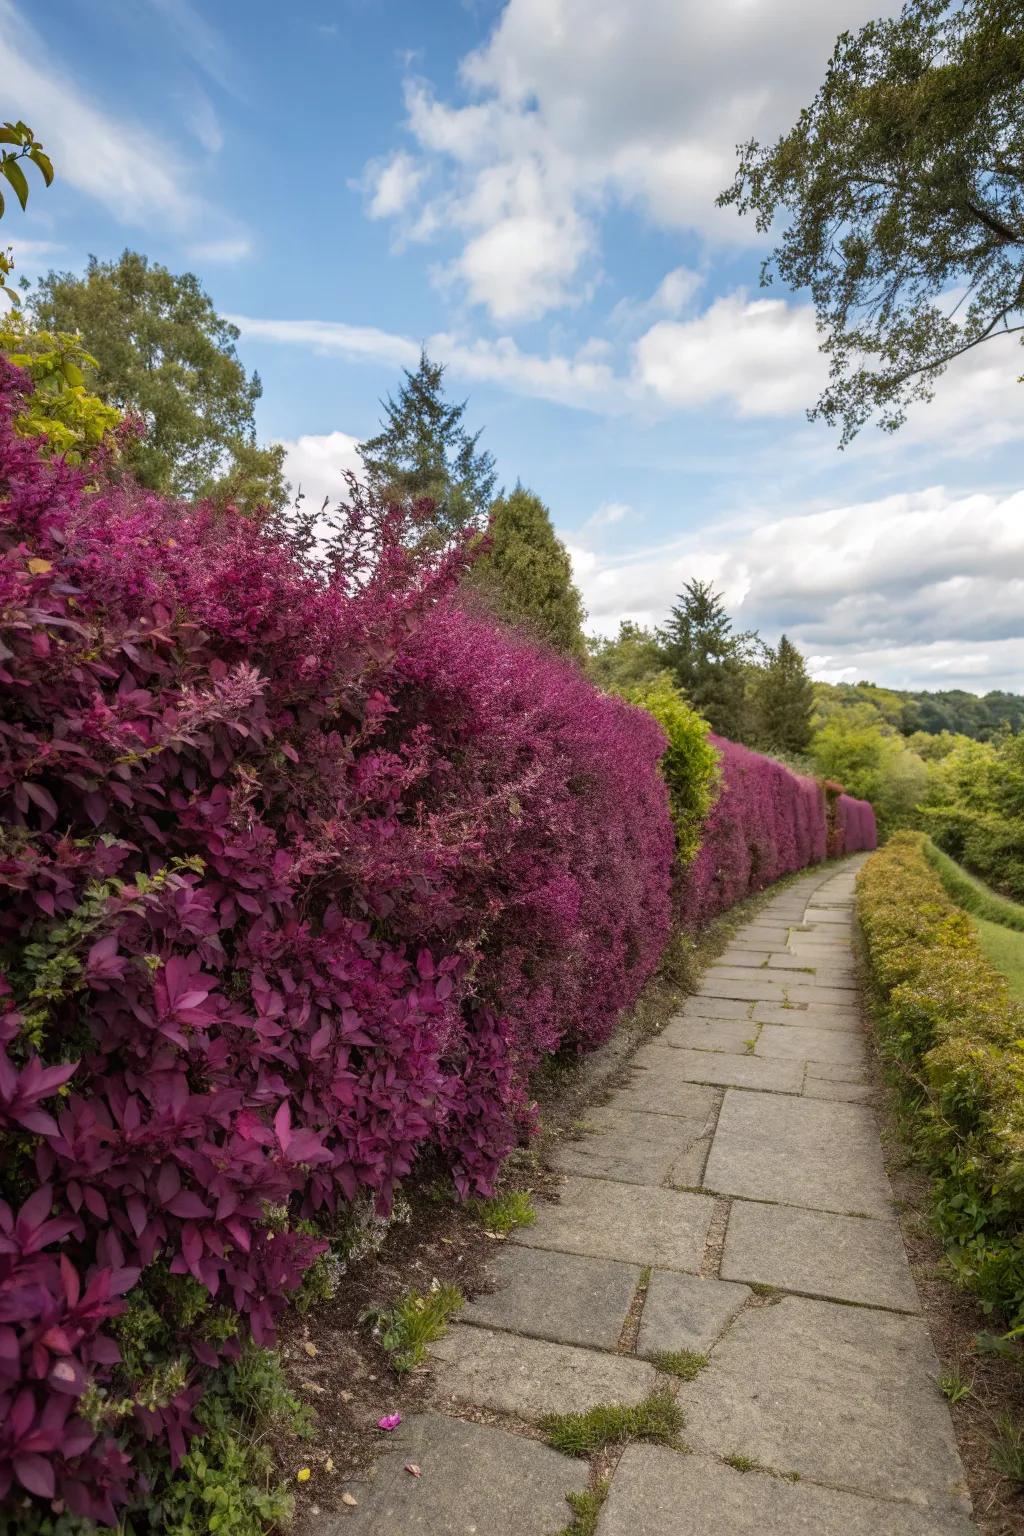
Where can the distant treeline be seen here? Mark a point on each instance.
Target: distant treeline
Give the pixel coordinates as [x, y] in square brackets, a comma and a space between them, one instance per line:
[952, 709]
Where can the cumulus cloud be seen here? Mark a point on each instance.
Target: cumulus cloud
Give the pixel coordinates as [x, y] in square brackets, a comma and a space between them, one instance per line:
[862, 588]
[760, 354]
[571, 104]
[316, 464]
[392, 184]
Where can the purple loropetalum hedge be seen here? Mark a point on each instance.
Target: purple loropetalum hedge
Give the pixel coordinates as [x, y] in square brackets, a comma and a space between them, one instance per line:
[766, 822]
[302, 870]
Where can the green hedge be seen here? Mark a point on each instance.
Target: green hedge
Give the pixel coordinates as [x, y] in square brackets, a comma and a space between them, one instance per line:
[690, 763]
[946, 1019]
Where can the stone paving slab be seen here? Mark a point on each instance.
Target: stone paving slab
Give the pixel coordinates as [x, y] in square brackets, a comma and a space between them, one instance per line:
[799, 1151]
[559, 1296]
[658, 1085]
[532, 1377]
[657, 1492]
[840, 1093]
[739, 1071]
[686, 1312]
[473, 1479]
[811, 993]
[714, 1008]
[639, 1148]
[846, 1258]
[814, 1018]
[842, 1395]
[803, 1042]
[708, 1034]
[836, 1072]
[752, 991]
[663, 1227]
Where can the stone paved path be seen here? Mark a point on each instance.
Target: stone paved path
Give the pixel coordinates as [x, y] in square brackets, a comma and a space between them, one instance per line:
[740, 1171]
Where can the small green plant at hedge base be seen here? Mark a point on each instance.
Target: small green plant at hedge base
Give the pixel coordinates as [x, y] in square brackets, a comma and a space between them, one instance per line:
[503, 1213]
[406, 1330]
[657, 1419]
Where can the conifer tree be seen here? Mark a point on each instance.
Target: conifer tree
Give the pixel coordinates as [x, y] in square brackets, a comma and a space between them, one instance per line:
[423, 450]
[785, 699]
[526, 575]
[708, 660]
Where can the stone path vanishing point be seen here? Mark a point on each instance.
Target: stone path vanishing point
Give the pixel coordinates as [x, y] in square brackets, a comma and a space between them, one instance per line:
[742, 1165]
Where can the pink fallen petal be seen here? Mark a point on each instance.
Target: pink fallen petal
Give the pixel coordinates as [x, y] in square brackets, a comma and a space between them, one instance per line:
[389, 1421]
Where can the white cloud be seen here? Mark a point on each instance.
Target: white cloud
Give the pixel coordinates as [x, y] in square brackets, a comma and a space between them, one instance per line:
[116, 162]
[392, 184]
[862, 589]
[585, 380]
[204, 123]
[573, 104]
[333, 336]
[316, 466]
[759, 354]
[230, 249]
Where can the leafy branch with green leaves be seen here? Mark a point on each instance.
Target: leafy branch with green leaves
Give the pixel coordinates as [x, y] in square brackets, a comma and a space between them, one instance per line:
[24, 147]
[900, 191]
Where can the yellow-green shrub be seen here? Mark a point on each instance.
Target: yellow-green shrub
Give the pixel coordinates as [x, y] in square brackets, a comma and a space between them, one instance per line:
[690, 763]
[947, 1018]
[74, 422]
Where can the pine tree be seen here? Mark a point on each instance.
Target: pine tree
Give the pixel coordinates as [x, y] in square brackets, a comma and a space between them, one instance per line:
[526, 575]
[424, 451]
[785, 700]
[708, 660]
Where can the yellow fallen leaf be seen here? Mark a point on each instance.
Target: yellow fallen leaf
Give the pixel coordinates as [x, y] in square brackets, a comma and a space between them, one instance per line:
[347, 1498]
[329, 1464]
[303, 1475]
[310, 1349]
[40, 567]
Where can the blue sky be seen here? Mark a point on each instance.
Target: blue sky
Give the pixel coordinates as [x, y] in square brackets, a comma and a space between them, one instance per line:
[527, 186]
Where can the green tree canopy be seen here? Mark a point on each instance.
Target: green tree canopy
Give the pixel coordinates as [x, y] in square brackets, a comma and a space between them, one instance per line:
[424, 451]
[167, 355]
[902, 185]
[708, 659]
[784, 699]
[632, 659]
[526, 574]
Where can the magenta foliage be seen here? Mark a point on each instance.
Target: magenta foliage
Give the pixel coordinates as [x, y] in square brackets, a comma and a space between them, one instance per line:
[766, 822]
[302, 871]
[854, 830]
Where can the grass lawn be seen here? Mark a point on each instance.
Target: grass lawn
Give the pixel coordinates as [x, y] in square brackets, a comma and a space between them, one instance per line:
[1005, 949]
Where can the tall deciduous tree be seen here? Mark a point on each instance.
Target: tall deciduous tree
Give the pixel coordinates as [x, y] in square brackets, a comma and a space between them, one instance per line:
[424, 451]
[903, 187]
[708, 659]
[167, 355]
[526, 574]
[784, 698]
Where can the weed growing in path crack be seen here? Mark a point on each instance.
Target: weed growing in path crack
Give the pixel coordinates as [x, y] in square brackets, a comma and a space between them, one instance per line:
[657, 1419]
[585, 1509]
[406, 1329]
[684, 1363]
[743, 1463]
[503, 1213]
